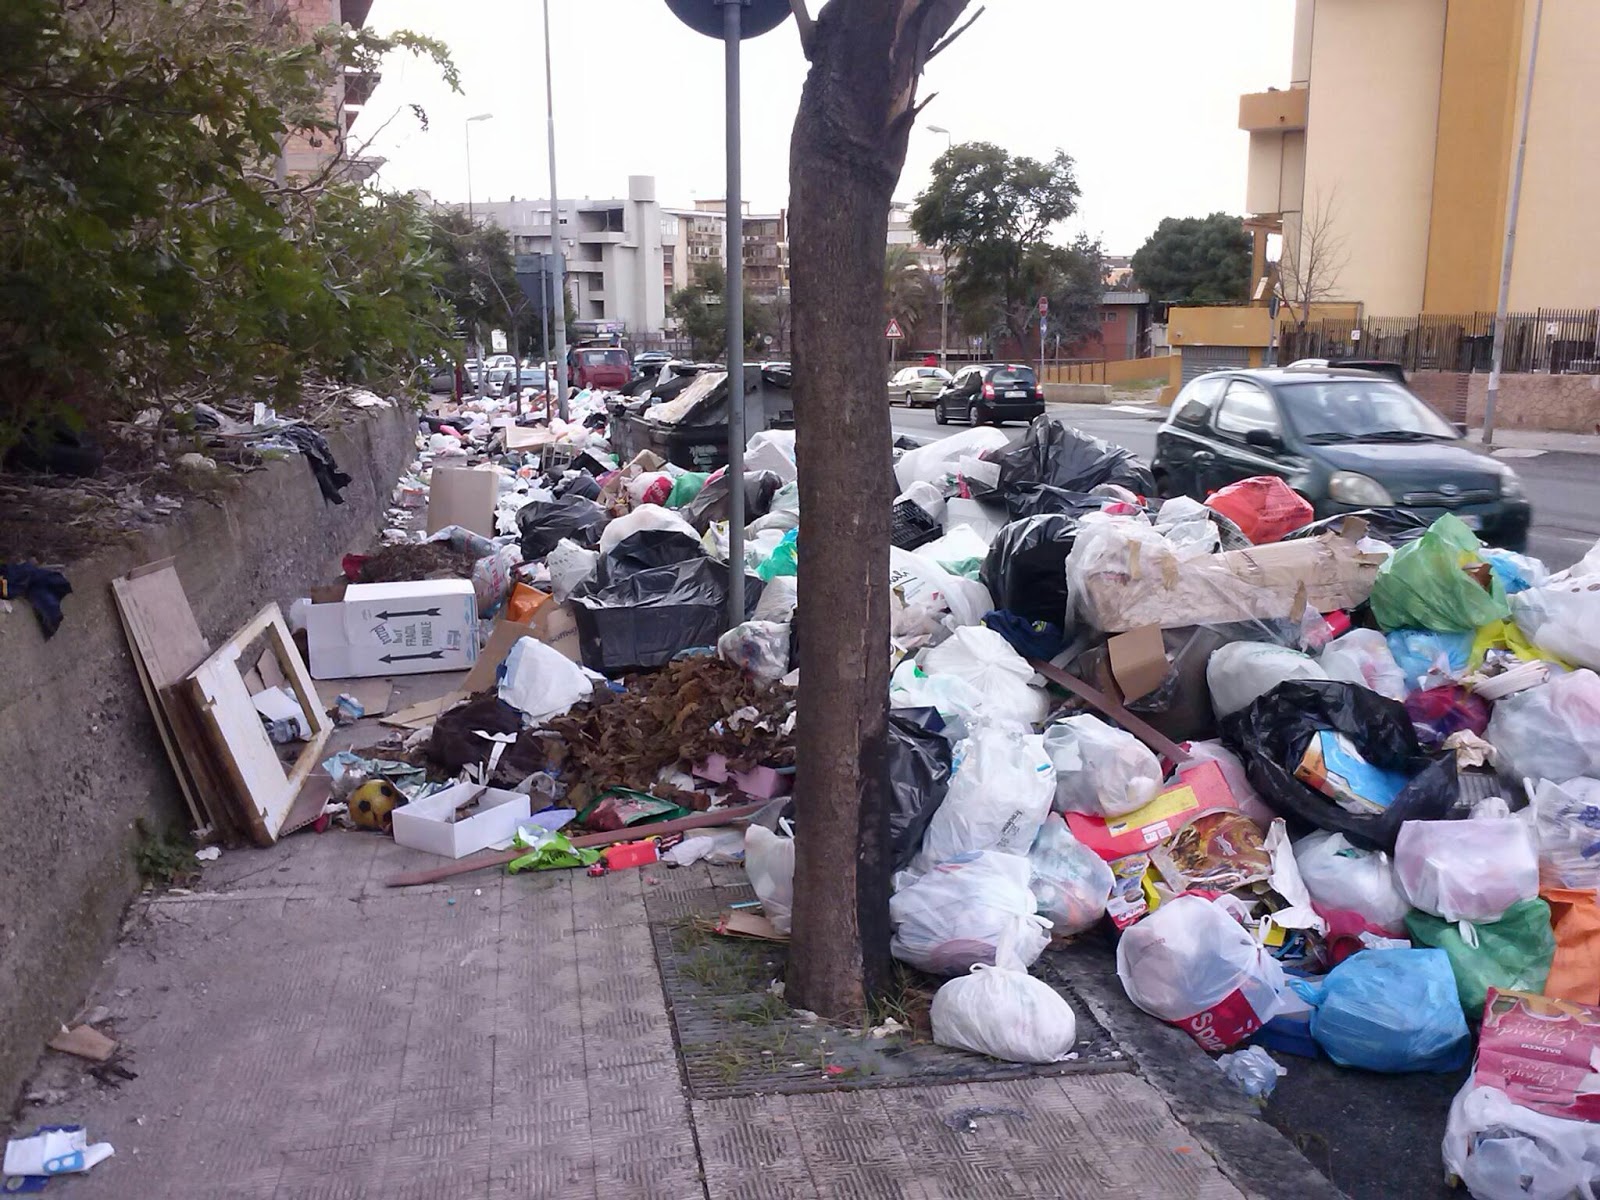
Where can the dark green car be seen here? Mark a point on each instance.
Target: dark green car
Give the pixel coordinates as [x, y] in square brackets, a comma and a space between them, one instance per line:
[1344, 440]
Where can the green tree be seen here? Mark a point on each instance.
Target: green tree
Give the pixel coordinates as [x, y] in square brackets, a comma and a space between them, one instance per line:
[993, 214]
[699, 310]
[907, 291]
[147, 244]
[1202, 260]
[479, 279]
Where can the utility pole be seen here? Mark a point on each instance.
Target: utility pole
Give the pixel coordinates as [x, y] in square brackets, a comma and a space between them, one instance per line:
[560, 318]
[1493, 391]
[944, 276]
[732, 12]
[477, 337]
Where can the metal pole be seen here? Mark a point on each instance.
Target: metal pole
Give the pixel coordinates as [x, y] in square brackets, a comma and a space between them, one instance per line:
[560, 319]
[731, 17]
[944, 313]
[544, 341]
[1493, 390]
[468, 127]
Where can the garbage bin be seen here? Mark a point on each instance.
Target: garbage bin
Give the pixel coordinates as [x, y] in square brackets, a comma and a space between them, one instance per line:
[698, 441]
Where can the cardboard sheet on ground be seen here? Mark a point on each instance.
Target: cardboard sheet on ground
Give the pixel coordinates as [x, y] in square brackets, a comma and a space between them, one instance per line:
[457, 496]
[748, 924]
[374, 695]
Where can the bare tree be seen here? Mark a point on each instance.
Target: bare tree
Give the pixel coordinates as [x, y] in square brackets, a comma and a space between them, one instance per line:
[849, 145]
[1314, 255]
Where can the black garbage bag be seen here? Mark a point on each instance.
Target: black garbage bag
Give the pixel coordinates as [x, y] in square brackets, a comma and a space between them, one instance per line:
[646, 549]
[640, 619]
[1056, 455]
[1026, 567]
[1272, 734]
[545, 522]
[581, 484]
[919, 776]
[711, 505]
[1393, 525]
[1046, 498]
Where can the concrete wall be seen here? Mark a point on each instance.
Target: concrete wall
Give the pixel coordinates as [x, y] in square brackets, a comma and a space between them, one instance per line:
[79, 753]
[1219, 325]
[1555, 403]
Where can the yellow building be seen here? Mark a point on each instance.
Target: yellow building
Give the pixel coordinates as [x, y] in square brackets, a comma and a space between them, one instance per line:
[1387, 161]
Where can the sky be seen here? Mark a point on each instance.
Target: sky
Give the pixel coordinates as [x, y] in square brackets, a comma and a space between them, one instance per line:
[1143, 94]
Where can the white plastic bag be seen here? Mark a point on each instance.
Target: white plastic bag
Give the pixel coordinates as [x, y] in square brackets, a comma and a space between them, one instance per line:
[926, 497]
[1005, 1014]
[645, 517]
[1069, 881]
[1363, 656]
[1567, 821]
[1241, 671]
[1099, 768]
[1503, 1151]
[769, 862]
[934, 462]
[981, 657]
[570, 567]
[1001, 782]
[1345, 878]
[1467, 870]
[911, 687]
[772, 450]
[1232, 767]
[920, 580]
[640, 485]
[1551, 731]
[542, 682]
[778, 600]
[960, 914]
[1195, 967]
[1562, 617]
[760, 647]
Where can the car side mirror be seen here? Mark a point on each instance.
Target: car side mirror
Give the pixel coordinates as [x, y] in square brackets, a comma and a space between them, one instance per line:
[1460, 427]
[1263, 438]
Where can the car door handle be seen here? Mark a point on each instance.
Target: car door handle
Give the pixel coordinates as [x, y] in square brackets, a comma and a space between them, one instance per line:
[1203, 456]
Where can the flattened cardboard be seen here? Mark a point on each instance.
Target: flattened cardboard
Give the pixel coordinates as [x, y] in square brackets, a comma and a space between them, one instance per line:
[84, 1041]
[1200, 788]
[745, 923]
[521, 437]
[556, 627]
[408, 628]
[459, 496]
[505, 635]
[424, 712]
[374, 695]
[1138, 661]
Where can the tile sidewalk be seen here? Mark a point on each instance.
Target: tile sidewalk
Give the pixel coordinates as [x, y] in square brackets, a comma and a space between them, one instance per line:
[302, 1032]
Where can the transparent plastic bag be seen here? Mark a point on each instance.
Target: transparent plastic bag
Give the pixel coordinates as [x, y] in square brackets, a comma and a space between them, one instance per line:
[1467, 870]
[1006, 1014]
[1567, 821]
[1070, 881]
[1549, 732]
[760, 647]
[571, 566]
[769, 862]
[1363, 656]
[1503, 1151]
[1392, 1011]
[983, 658]
[1192, 965]
[1001, 785]
[1253, 1071]
[963, 911]
[1422, 585]
[1241, 671]
[1562, 618]
[1099, 768]
[1345, 878]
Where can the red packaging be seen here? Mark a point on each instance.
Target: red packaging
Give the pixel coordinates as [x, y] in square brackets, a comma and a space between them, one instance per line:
[1263, 506]
[1200, 788]
[1538, 1052]
[630, 854]
[1223, 1025]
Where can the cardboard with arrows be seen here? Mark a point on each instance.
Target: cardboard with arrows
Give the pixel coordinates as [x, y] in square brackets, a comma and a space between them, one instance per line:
[407, 628]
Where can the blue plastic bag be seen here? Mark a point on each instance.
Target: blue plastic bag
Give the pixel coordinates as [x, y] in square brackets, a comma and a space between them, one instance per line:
[1419, 651]
[1392, 1011]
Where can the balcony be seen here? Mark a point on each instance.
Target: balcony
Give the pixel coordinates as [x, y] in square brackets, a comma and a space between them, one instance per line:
[1273, 110]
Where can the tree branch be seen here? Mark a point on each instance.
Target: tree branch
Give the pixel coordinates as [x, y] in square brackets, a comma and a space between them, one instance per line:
[806, 26]
[954, 34]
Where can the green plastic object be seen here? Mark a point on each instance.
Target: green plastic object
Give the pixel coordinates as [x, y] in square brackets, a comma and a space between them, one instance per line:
[548, 851]
[1423, 586]
[686, 487]
[784, 559]
[1512, 954]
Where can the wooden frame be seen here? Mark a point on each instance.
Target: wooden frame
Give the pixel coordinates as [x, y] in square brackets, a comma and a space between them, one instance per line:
[248, 755]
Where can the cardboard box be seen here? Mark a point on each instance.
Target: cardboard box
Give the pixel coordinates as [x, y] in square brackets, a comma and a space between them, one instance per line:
[408, 628]
[1200, 788]
[1264, 582]
[426, 824]
[459, 496]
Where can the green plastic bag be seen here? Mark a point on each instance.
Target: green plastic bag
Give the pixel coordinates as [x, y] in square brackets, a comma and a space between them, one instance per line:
[1512, 954]
[1422, 585]
[547, 851]
[784, 559]
[686, 487]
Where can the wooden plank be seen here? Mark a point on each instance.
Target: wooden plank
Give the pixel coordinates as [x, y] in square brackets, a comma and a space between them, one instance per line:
[167, 644]
[247, 753]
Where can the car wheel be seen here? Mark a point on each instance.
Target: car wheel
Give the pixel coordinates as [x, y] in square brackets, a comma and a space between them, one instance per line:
[938, 414]
[908, 401]
[972, 414]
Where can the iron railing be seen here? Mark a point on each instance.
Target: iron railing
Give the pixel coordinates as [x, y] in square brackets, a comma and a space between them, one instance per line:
[1556, 341]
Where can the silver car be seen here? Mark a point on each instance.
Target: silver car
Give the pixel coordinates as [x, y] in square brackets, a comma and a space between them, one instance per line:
[917, 385]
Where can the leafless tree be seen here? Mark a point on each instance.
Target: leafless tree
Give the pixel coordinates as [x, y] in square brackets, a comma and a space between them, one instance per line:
[1314, 255]
[857, 110]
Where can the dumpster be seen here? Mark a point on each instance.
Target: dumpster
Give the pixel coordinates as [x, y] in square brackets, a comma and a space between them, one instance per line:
[690, 430]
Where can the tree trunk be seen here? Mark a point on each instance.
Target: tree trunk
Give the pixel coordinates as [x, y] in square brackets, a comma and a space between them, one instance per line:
[849, 145]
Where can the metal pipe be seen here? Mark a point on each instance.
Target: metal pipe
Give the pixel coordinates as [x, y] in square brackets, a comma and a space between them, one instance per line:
[1493, 391]
[560, 317]
[734, 299]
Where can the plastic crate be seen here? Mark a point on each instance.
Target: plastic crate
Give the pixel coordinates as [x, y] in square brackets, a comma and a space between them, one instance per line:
[912, 527]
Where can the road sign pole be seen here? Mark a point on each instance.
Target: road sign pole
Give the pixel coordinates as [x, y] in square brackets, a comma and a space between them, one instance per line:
[559, 284]
[732, 13]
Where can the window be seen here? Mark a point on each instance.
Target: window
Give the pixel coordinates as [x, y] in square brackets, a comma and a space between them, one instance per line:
[1194, 403]
[1010, 376]
[1246, 407]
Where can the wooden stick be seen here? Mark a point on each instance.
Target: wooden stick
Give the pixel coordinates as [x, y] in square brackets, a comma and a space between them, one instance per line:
[497, 858]
[1132, 722]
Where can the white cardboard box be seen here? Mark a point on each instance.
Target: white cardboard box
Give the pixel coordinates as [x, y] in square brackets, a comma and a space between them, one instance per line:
[426, 825]
[405, 628]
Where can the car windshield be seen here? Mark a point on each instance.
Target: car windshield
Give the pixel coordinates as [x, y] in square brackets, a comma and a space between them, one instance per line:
[532, 375]
[933, 373]
[605, 358]
[1360, 410]
[1007, 375]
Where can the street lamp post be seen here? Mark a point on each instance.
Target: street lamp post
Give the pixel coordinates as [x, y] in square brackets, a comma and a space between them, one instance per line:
[477, 343]
[559, 318]
[944, 276]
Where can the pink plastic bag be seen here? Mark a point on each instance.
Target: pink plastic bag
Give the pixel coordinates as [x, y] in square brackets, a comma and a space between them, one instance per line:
[1263, 506]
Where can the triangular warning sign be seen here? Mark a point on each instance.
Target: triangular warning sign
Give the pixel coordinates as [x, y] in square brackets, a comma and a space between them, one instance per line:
[894, 329]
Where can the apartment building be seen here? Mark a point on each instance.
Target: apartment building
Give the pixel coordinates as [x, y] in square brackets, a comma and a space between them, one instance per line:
[309, 156]
[614, 253]
[766, 245]
[1391, 152]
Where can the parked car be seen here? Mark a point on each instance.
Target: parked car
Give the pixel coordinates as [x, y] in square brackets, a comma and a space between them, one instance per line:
[497, 382]
[604, 367]
[990, 392]
[650, 362]
[534, 378]
[1379, 366]
[502, 360]
[917, 385]
[1343, 439]
[441, 377]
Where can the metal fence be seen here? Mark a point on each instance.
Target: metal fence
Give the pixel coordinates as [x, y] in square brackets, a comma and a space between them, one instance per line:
[1556, 341]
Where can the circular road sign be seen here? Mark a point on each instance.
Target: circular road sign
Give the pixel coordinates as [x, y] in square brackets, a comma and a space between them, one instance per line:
[705, 16]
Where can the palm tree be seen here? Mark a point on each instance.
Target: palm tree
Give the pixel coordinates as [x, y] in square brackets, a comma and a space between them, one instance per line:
[906, 288]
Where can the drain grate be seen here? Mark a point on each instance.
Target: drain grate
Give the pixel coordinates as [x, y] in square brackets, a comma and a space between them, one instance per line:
[737, 1038]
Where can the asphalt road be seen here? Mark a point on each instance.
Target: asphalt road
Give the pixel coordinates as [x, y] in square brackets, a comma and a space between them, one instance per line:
[1564, 488]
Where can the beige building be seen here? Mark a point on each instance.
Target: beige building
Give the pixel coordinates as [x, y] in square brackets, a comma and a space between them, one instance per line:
[1388, 158]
